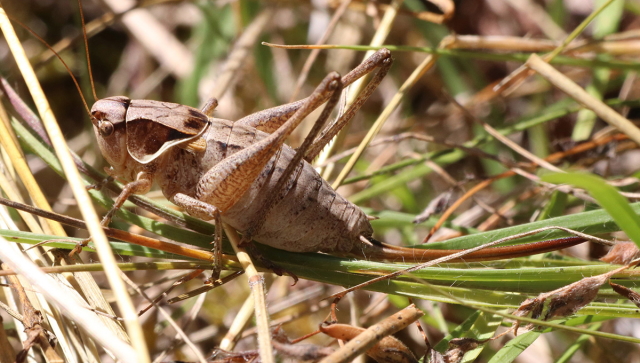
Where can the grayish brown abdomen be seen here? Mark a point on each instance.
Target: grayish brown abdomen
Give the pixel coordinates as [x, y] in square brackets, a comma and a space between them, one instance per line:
[310, 215]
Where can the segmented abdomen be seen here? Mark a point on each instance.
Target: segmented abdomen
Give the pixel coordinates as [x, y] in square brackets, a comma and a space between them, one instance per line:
[309, 216]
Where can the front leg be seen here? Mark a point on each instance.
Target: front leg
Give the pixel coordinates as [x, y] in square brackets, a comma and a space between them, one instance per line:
[141, 185]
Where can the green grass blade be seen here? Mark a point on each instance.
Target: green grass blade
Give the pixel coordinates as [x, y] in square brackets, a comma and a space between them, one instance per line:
[607, 196]
[514, 347]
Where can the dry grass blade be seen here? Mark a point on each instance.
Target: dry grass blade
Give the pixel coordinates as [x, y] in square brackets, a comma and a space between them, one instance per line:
[356, 88]
[373, 334]
[32, 321]
[70, 304]
[579, 94]
[258, 292]
[239, 53]
[179, 331]
[424, 67]
[241, 319]
[133, 327]
[497, 43]
[378, 39]
[169, 52]
[425, 149]
[304, 72]
[16, 159]
[20, 164]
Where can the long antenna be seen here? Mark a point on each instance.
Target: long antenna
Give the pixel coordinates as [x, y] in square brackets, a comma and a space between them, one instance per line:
[75, 81]
[86, 49]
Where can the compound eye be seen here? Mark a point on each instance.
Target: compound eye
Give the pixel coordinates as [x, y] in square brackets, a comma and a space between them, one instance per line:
[105, 128]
